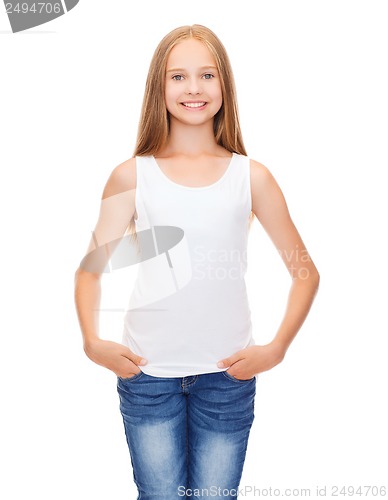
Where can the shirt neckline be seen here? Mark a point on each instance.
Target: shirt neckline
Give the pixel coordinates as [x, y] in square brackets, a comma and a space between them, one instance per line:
[194, 188]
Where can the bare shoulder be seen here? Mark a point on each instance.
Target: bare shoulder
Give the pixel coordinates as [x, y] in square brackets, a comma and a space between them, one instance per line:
[122, 178]
[267, 196]
[259, 173]
[262, 177]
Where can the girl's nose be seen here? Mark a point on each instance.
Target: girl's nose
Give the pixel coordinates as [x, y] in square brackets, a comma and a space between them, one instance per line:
[193, 86]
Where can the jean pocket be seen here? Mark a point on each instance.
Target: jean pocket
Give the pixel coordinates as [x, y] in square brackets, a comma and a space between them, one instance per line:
[133, 378]
[240, 381]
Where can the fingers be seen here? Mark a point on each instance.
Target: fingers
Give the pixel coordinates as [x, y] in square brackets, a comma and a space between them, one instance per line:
[129, 368]
[138, 360]
[226, 362]
[127, 374]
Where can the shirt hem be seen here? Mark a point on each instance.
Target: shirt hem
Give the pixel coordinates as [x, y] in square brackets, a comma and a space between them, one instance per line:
[179, 374]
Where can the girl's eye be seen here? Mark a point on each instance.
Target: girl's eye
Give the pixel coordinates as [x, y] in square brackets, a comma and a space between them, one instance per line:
[178, 78]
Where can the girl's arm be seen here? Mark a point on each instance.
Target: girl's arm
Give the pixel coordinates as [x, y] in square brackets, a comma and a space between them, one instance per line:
[270, 208]
[116, 211]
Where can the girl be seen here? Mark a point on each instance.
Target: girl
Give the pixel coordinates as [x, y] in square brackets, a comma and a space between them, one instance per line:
[187, 366]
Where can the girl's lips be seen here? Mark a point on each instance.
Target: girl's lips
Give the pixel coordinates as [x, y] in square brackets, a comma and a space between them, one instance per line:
[194, 105]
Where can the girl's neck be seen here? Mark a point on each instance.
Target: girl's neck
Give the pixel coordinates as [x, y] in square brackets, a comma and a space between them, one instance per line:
[190, 140]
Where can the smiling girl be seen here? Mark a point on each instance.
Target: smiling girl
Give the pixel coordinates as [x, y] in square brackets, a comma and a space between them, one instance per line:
[187, 366]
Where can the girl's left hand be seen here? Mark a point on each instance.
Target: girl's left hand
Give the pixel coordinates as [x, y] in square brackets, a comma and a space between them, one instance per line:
[254, 359]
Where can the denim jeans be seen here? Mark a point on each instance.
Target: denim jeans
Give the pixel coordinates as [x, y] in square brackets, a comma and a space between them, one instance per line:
[187, 436]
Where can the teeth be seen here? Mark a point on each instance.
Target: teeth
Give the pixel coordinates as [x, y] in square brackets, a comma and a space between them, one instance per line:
[193, 104]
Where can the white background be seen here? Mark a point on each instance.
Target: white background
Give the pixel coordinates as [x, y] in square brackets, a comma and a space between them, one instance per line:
[312, 87]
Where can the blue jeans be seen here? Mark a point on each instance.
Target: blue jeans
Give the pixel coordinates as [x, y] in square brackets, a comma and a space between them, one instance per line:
[187, 436]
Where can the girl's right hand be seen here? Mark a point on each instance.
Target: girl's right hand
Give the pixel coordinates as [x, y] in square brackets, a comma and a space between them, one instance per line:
[116, 357]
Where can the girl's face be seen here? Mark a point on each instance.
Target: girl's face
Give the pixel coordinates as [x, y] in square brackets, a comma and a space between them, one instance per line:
[193, 89]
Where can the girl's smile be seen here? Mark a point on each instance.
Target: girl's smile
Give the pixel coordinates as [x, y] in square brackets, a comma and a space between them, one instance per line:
[194, 105]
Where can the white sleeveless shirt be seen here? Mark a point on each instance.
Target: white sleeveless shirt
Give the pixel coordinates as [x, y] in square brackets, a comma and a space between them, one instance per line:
[189, 307]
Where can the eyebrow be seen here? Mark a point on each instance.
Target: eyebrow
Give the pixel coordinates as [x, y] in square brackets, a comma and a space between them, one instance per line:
[183, 69]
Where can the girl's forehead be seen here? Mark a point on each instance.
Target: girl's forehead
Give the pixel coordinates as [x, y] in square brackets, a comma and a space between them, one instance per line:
[190, 52]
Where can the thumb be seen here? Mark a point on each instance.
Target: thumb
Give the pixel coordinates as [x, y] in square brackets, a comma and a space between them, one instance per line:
[138, 360]
[226, 362]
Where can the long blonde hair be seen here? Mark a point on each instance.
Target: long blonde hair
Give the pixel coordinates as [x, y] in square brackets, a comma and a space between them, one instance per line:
[154, 124]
